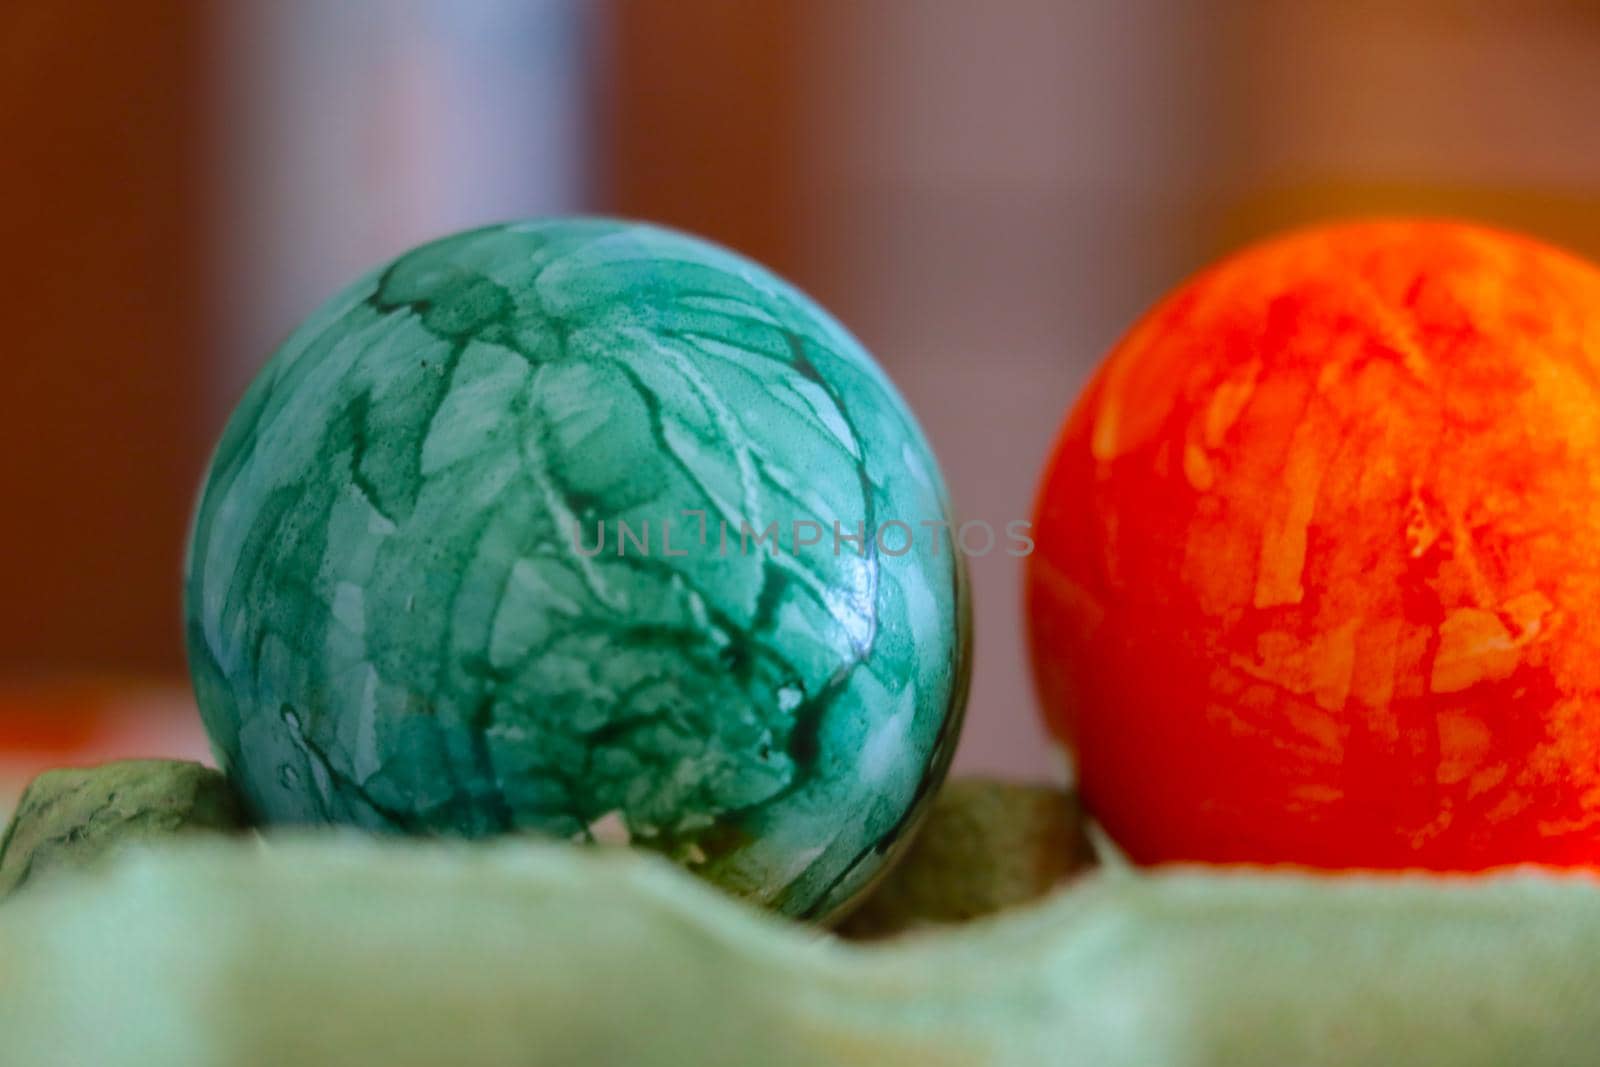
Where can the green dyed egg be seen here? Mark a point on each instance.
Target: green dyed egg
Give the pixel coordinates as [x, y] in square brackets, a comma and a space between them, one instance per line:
[591, 529]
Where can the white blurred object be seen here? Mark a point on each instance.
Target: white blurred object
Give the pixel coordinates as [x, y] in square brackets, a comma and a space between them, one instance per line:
[348, 132]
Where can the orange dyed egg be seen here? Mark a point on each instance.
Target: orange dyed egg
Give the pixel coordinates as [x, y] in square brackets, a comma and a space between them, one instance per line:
[1317, 576]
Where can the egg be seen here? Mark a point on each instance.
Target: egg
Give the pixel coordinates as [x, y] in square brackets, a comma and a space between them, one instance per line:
[575, 527]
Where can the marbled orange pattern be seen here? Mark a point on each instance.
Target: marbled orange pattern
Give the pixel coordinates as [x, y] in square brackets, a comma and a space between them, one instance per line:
[1318, 565]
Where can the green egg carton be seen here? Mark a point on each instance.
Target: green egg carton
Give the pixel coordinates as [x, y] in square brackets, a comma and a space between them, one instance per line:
[994, 942]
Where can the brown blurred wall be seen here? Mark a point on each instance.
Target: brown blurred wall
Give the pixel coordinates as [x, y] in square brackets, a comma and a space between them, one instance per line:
[705, 103]
[102, 299]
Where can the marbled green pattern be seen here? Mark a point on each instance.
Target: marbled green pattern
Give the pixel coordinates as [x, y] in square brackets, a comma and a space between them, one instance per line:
[390, 622]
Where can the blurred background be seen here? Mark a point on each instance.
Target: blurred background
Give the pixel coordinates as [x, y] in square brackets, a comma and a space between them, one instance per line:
[985, 193]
